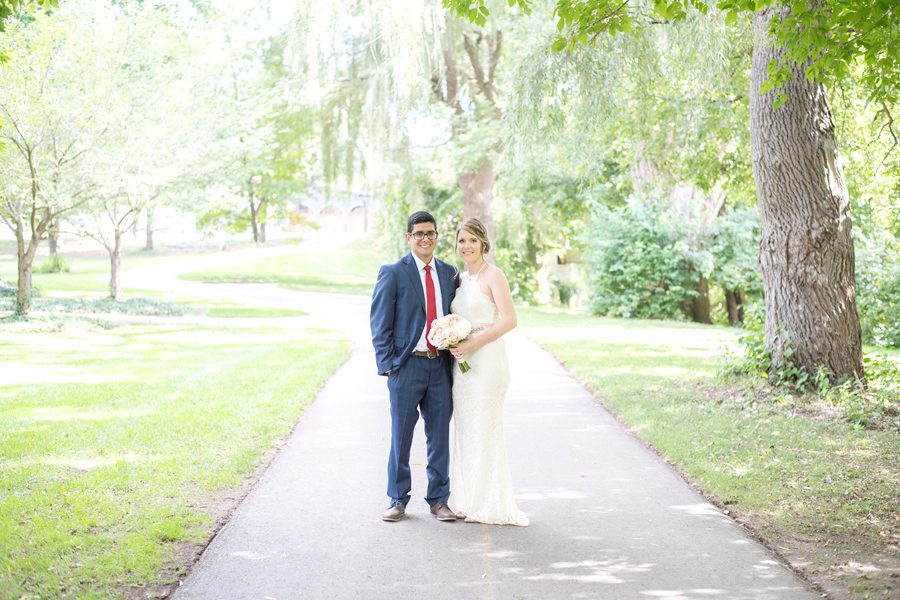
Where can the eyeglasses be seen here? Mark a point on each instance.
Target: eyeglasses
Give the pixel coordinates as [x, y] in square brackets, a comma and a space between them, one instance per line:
[421, 235]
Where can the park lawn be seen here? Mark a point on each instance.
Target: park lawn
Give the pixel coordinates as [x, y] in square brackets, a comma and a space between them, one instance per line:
[88, 275]
[816, 489]
[251, 312]
[349, 268]
[116, 443]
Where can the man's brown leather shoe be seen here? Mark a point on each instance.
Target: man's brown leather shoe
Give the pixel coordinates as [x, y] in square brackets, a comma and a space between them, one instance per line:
[394, 513]
[442, 512]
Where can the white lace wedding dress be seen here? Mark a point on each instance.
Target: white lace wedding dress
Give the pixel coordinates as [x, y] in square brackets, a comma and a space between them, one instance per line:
[480, 479]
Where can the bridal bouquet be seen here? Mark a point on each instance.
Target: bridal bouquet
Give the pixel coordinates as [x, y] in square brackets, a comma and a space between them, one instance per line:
[447, 332]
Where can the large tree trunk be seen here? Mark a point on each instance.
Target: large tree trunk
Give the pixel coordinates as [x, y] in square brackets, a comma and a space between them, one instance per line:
[115, 261]
[700, 309]
[148, 241]
[806, 249]
[478, 194]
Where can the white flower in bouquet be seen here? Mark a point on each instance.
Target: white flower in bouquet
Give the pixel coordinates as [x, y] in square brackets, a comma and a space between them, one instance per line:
[447, 332]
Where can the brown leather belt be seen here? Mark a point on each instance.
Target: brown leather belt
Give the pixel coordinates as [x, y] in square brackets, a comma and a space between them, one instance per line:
[429, 354]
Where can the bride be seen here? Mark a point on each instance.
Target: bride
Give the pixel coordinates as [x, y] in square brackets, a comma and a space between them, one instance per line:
[482, 485]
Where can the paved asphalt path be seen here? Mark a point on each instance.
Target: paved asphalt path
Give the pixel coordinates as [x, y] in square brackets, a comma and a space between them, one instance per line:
[609, 519]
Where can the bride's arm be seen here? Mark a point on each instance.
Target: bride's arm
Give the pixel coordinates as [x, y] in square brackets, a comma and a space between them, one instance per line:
[499, 287]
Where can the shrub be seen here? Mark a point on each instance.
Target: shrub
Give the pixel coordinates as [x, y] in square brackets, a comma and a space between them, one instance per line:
[641, 264]
[878, 288]
[873, 404]
[56, 264]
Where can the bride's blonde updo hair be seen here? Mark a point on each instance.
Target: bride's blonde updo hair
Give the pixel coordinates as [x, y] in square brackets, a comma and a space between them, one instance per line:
[476, 228]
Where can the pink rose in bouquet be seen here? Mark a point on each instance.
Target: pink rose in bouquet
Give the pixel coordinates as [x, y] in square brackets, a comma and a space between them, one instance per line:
[447, 332]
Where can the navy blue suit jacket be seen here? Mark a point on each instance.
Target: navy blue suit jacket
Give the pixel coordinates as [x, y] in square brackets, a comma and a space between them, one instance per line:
[397, 316]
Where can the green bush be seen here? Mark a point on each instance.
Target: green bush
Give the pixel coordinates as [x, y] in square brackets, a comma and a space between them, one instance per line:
[734, 244]
[520, 271]
[878, 288]
[564, 290]
[7, 289]
[56, 264]
[641, 264]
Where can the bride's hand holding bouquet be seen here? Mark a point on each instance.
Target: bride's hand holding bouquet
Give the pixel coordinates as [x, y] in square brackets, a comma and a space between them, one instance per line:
[449, 332]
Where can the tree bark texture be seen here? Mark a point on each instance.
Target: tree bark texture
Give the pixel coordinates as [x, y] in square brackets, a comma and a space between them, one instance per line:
[53, 238]
[700, 308]
[148, 240]
[25, 253]
[253, 224]
[115, 261]
[806, 249]
[478, 194]
[734, 303]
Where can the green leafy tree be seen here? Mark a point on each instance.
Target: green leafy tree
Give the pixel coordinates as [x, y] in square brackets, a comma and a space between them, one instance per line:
[141, 72]
[10, 8]
[257, 134]
[807, 251]
[53, 120]
[734, 245]
[403, 66]
[651, 113]
[825, 41]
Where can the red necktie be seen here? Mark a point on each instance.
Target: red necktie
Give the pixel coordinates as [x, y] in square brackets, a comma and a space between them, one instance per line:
[431, 306]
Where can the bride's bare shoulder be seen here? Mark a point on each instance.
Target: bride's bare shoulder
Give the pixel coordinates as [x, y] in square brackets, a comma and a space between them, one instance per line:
[494, 273]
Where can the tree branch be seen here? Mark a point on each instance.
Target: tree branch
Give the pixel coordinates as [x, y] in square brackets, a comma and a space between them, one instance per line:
[451, 74]
[598, 23]
[495, 44]
[890, 127]
[472, 48]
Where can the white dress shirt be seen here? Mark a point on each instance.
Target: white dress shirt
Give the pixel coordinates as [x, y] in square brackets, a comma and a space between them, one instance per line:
[438, 298]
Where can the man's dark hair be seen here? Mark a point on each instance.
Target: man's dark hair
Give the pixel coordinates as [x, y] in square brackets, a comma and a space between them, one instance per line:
[420, 216]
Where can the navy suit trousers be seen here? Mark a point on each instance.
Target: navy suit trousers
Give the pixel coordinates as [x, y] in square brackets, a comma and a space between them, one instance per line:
[421, 384]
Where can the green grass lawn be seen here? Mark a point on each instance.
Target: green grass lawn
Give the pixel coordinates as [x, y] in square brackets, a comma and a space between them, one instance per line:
[88, 275]
[819, 490]
[347, 268]
[251, 312]
[113, 441]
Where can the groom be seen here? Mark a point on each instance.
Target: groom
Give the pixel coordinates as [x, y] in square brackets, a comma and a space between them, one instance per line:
[408, 296]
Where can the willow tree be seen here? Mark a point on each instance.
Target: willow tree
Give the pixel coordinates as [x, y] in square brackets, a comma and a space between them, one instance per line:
[671, 120]
[360, 63]
[378, 65]
[806, 252]
[466, 82]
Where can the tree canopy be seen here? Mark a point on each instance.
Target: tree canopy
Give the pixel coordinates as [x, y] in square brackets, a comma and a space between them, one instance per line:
[830, 39]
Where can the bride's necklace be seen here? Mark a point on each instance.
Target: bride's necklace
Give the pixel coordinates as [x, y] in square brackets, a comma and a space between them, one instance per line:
[483, 267]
